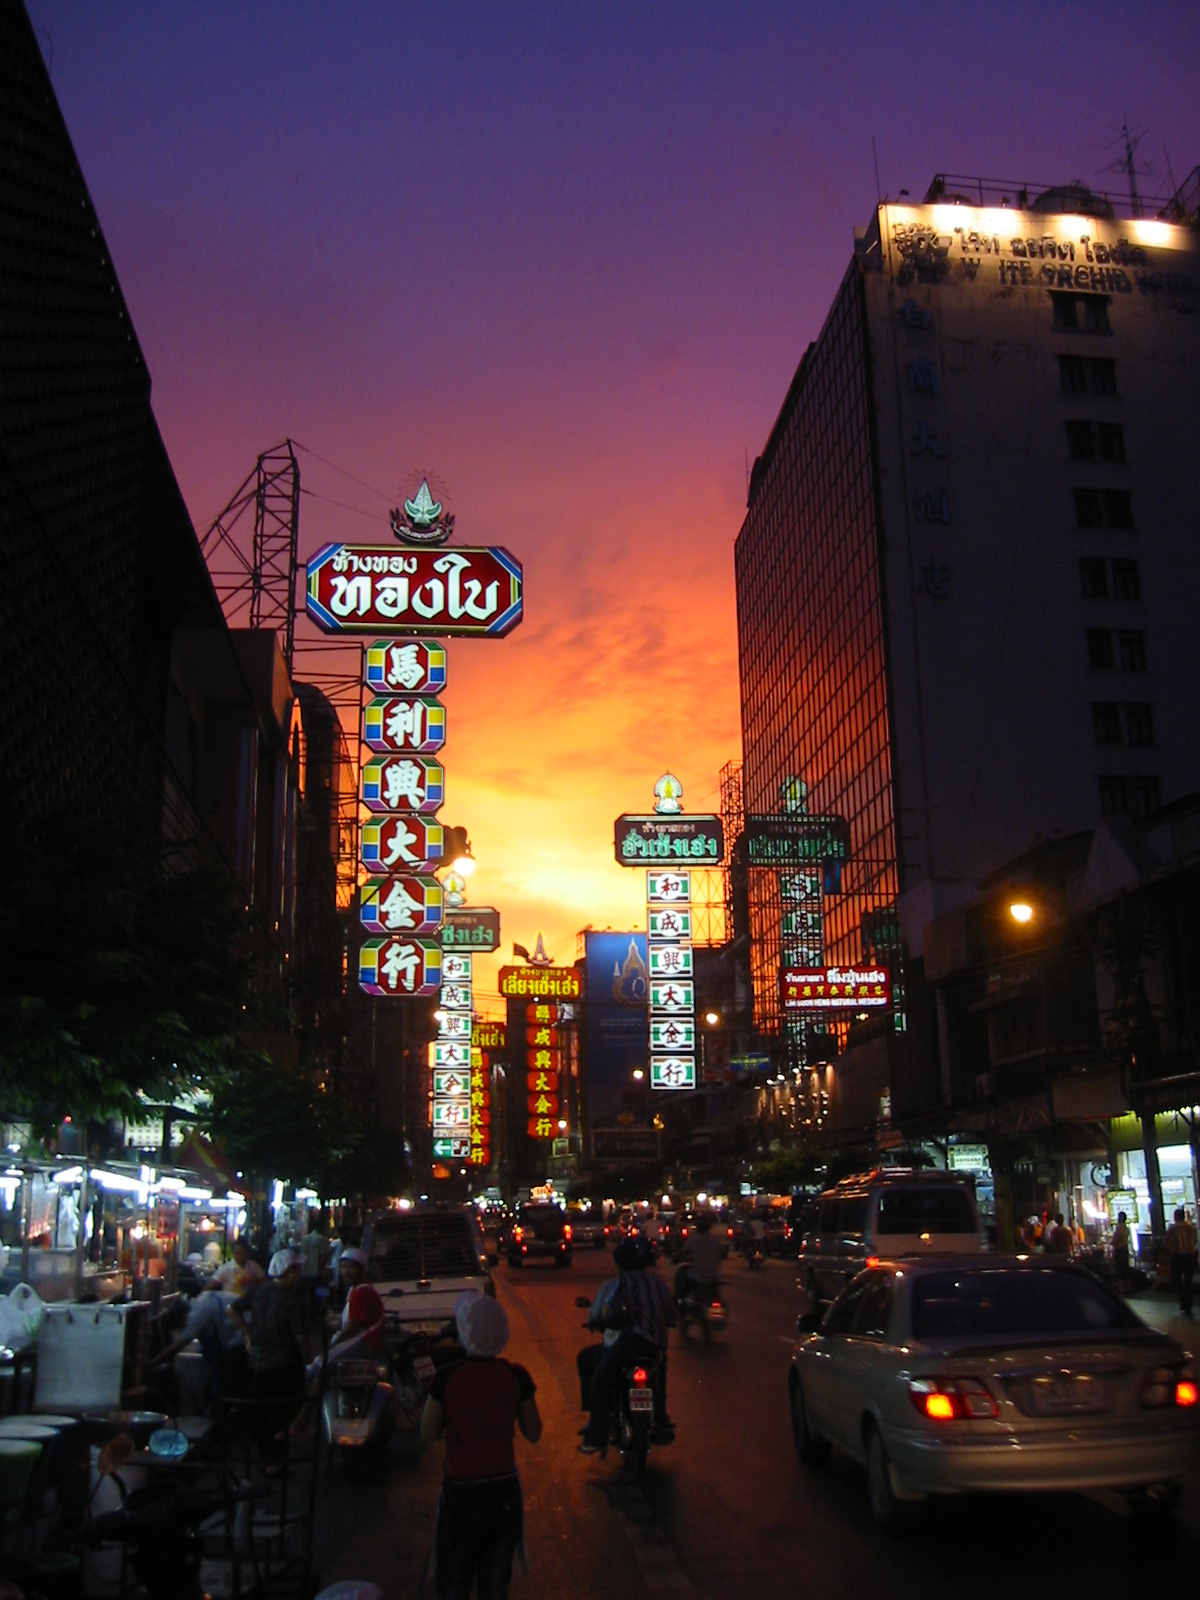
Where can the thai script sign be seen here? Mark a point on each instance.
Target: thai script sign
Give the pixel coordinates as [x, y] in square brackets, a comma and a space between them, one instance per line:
[373, 588]
[640, 840]
[471, 928]
[835, 988]
[796, 841]
[402, 783]
[403, 840]
[557, 983]
[417, 724]
[388, 905]
[399, 966]
[489, 1036]
[413, 665]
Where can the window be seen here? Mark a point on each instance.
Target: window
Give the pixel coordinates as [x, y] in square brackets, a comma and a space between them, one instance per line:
[1126, 583]
[1139, 723]
[1100, 649]
[999, 1302]
[1106, 722]
[1072, 375]
[875, 1308]
[1133, 650]
[1128, 796]
[1084, 313]
[841, 1313]
[1081, 446]
[1093, 578]
[1101, 375]
[1087, 375]
[1110, 438]
[1095, 441]
[1102, 508]
[925, 1208]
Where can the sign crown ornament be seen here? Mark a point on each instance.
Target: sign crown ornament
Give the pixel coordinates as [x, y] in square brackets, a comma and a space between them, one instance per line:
[420, 519]
[668, 795]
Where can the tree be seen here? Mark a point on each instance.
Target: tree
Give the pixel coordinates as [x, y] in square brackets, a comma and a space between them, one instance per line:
[115, 976]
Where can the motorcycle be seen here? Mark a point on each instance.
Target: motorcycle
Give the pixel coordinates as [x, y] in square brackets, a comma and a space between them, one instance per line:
[701, 1304]
[755, 1254]
[632, 1426]
[358, 1410]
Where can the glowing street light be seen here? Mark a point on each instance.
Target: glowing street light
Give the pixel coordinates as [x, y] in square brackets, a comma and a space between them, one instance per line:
[1021, 911]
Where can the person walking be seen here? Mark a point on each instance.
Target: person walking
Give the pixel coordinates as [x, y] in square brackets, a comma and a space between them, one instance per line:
[1120, 1252]
[1181, 1256]
[477, 1403]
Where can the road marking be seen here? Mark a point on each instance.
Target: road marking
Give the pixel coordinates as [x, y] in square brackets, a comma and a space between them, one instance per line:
[651, 1548]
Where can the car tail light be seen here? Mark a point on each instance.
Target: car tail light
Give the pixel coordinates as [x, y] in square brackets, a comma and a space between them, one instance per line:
[566, 1230]
[951, 1399]
[640, 1375]
[1169, 1386]
[518, 1233]
[872, 1261]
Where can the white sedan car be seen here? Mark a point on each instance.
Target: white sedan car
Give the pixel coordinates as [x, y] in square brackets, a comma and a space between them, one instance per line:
[970, 1373]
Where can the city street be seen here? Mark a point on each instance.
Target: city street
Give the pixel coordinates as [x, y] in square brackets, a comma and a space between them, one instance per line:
[728, 1509]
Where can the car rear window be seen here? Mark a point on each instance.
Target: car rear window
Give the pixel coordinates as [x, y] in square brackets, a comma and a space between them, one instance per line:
[946, 1209]
[999, 1302]
[544, 1222]
[417, 1245]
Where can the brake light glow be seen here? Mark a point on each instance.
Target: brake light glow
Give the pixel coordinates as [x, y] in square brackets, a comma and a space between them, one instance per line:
[640, 1375]
[1170, 1386]
[872, 1261]
[952, 1399]
[518, 1233]
[566, 1230]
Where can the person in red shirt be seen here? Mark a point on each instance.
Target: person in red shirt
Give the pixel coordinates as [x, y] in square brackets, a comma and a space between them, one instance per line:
[477, 1403]
[362, 1335]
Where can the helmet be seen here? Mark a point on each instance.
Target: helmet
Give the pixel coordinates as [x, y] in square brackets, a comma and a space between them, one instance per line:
[631, 1255]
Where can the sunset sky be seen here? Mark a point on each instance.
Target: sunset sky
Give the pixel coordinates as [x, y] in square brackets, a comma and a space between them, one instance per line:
[567, 258]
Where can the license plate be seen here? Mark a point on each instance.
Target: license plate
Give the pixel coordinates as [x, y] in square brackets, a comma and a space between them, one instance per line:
[350, 1430]
[424, 1368]
[1075, 1394]
[641, 1399]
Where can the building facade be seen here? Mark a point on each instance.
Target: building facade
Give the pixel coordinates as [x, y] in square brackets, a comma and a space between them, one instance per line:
[964, 575]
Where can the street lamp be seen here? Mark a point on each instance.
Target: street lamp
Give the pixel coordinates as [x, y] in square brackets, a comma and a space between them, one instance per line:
[1021, 911]
[457, 848]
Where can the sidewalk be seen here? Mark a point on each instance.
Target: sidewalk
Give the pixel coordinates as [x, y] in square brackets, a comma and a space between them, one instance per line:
[1161, 1310]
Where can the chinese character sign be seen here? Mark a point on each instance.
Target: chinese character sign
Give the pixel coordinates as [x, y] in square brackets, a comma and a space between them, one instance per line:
[415, 666]
[400, 966]
[672, 990]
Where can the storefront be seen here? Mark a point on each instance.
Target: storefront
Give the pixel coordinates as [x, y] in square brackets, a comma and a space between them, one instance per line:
[1176, 1166]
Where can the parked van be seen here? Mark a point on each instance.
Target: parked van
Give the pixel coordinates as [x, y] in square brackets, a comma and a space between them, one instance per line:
[886, 1213]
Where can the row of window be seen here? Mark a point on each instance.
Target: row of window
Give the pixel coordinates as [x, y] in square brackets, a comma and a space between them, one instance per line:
[1103, 508]
[1118, 579]
[1081, 313]
[1124, 649]
[1130, 723]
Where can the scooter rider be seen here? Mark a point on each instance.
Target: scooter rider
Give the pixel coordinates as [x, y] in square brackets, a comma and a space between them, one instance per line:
[635, 1309]
[701, 1257]
[361, 1336]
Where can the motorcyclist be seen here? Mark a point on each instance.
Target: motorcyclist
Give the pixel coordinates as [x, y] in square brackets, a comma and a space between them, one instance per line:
[635, 1310]
[755, 1236]
[701, 1257]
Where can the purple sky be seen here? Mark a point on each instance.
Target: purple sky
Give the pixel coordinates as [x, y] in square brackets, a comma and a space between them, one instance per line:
[567, 257]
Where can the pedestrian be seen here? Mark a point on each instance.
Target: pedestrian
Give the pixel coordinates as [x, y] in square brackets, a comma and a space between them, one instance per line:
[1181, 1256]
[278, 1320]
[1061, 1241]
[1120, 1252]
[476, 1403]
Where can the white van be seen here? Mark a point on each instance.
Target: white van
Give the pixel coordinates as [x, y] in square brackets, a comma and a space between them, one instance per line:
[887, 1213]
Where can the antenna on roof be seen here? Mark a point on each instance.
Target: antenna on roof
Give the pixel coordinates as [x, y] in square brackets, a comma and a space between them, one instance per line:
[1129, 139]
[875, 159]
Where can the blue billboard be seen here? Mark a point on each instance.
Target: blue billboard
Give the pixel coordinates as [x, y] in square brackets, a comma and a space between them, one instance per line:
[616, 991]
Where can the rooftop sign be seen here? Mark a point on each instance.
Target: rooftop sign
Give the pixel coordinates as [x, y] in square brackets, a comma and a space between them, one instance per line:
[641, 841]
[368, 588]
[547, 983]
[796, 841]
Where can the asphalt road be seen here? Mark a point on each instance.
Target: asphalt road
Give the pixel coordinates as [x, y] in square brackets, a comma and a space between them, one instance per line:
[728, 1510]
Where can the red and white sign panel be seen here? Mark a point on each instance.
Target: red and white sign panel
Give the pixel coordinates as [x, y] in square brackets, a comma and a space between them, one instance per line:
[835, 988]
[372, 588]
